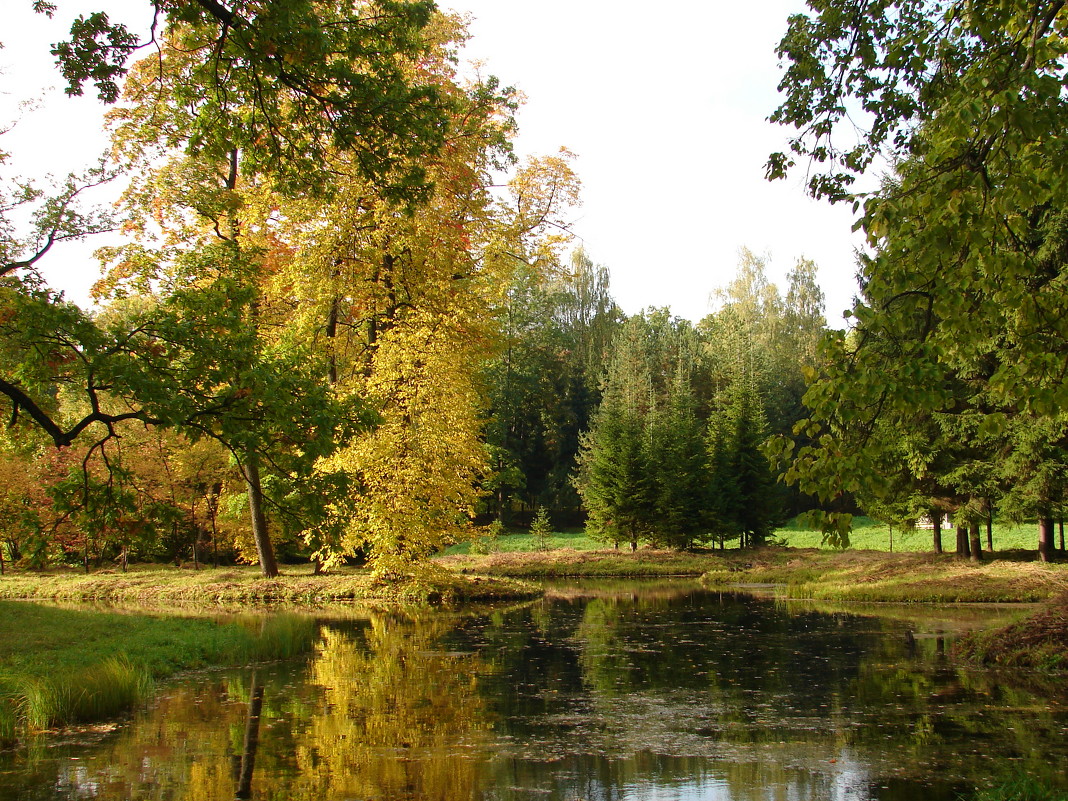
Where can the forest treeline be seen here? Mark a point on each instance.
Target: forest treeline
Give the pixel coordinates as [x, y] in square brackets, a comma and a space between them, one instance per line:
[345, 322]
[323, 333]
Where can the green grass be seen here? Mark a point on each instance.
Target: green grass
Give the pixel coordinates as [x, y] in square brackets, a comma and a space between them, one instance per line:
[872, 535]
[605, 563]
[867, 534]
[166, 586]
[1020, 788]
[62, 666]
[860, 575]
[524, 542]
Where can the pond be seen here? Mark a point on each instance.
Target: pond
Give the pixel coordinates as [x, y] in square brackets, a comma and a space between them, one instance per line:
[599, 692]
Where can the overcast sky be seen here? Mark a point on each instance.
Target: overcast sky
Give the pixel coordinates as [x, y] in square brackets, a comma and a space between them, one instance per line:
[664, 104]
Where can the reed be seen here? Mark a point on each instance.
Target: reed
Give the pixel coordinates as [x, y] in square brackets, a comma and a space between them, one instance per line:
[66, 666]
[8, 717]
[1020, 788]
[101, 691]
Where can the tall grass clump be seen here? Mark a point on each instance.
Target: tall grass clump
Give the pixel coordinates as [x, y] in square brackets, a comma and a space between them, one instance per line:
[274, 637]
[63, 666]
[1020, 788]
[104, 690]
[8, 718]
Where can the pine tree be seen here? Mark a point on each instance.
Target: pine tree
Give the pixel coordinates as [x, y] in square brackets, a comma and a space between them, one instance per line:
[614, 478]
[541, 529]
[678, 460]
[755, 509]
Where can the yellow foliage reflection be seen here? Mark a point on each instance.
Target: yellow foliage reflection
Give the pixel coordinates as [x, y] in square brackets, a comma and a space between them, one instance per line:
[402, 718]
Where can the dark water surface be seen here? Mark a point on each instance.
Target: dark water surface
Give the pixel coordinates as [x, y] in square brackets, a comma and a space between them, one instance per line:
[600, 692]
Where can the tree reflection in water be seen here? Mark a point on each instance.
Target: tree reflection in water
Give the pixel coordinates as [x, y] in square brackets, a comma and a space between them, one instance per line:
[244, 766]
[401, 717]
[597, 694]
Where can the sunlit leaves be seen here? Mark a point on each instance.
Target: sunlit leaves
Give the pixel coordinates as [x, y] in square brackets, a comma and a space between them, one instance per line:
[97, 51]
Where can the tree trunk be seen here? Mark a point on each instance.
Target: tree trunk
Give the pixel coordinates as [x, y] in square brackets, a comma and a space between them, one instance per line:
[213, 509]
[1062, 534]
[196, 534]
[976, 544]
[962, 541]
[936, 531]
[1045, 537]
[1, 558]
[990, 529]
[251, 471]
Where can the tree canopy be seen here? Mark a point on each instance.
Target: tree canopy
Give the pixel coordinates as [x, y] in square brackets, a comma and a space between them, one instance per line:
[959, 338]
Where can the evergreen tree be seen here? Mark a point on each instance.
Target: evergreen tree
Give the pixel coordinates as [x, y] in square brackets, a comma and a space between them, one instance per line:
[755, 501]
[614, 477]
[679, 461]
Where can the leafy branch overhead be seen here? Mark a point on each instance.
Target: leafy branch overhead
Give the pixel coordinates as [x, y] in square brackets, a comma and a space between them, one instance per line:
[284, 82]
[864, 78]
[960, 339]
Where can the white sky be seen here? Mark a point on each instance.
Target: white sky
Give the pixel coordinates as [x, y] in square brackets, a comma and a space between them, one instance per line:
[665, 106]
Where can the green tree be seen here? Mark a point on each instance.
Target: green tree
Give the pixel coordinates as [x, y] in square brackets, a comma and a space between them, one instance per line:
[541, 528]
[555, 322]
[643, 466]
[967, 233]
[755, 510]
[678, 459]
[615, 479]
[286, 83]
[257, 98]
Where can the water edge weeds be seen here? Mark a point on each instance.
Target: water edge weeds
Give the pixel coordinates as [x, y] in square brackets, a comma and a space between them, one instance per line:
[50, 679]
[110, 688]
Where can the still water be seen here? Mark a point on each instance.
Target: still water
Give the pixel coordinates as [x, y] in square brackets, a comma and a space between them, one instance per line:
[600, 692]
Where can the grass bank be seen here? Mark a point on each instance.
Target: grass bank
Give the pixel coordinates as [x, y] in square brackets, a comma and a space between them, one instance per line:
[854, 575]
[1040, 642]
[803, 573]
[570, 563]
[868, 534]
[61, 666]
[163, 585]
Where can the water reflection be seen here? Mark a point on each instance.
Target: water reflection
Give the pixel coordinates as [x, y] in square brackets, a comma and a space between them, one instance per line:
[244, 766]
[599, 692]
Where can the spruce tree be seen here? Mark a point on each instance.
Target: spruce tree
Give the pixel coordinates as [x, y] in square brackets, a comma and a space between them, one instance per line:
[756, 502]
[679, 462]
[614, 478]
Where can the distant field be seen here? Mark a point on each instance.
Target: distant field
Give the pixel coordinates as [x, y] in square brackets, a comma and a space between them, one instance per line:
[867, 534]
[519, 541]
[872, 535]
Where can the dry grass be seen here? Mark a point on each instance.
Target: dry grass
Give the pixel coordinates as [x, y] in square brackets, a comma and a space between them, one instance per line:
[1039, 642]
[850, 575]
[910, 577]
[567, 563]
[161, 586]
